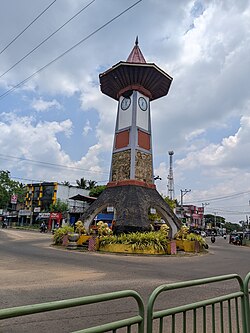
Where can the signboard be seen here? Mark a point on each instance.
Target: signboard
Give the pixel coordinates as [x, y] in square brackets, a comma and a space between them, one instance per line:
[13, 199]
[44, 215]
[37, 209]
[55, 215]
[76, 209]
[152, 211]
[23, 212]
[110, 209]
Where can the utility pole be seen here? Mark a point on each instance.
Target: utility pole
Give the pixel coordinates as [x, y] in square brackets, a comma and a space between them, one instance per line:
[183, 192]
[204, 205]
[171, 176]
[215, 220]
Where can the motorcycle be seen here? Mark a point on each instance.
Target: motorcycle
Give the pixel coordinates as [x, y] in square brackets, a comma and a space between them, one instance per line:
[43, 228]
[237, 241]
[4, 225]
[212, 239]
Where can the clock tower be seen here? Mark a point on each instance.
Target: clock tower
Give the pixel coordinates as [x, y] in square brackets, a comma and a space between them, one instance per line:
[131, 191]
[132, 148]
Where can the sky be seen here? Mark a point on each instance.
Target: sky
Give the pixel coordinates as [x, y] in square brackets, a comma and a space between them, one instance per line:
[56, 125]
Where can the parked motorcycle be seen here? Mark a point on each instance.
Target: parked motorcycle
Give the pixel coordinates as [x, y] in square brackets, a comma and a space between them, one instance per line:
[43, 228]
[4, 225]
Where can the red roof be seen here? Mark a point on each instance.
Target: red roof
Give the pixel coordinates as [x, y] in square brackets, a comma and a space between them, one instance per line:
[135, 74]
[136, 54]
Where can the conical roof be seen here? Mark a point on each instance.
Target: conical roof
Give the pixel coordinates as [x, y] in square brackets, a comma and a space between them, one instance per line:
[136, 55]
[135, 74]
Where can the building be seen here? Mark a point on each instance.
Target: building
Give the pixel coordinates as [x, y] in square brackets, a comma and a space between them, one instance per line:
[40, 196]
[191, 215]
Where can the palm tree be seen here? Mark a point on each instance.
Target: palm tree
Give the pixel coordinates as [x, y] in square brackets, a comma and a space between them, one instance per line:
[91, 184]
[81, 183]
[66, 183]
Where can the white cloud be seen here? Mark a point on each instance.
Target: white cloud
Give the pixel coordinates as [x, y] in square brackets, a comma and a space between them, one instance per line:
[203, 44]
[194, 134]
[87, 128]
[41, 105]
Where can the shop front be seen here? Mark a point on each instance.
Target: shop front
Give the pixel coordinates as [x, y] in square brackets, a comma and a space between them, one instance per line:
[24, 217]
[55, 221]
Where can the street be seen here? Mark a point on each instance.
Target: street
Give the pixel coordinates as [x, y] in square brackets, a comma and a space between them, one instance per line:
[33, 271]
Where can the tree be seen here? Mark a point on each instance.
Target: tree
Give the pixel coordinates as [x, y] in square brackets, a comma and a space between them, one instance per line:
[91, 184]
[66, 183]
[97, 190]
[8, 187]
[232, 226]
[59, 207]
[172, 203]
[214, 219]
[86, 184]
[81, 183]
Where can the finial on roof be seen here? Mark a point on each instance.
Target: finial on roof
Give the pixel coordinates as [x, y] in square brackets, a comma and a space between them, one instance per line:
[136, 55]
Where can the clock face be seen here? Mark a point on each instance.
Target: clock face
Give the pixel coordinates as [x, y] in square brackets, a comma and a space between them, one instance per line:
[125, 103]
[143, 104]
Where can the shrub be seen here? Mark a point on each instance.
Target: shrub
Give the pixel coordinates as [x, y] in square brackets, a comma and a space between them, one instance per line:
[156, 240]
[198, 238]
[60, 233]
[182, 233]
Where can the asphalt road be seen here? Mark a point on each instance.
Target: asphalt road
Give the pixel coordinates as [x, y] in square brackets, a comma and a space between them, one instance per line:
[32, 271]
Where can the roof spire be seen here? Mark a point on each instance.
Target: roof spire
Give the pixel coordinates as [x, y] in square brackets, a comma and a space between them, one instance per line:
[136, 54]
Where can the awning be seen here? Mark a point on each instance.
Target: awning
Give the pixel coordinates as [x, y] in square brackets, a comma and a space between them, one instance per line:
[80, 197]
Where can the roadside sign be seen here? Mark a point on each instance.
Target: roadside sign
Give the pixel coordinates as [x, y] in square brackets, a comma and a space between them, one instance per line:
[13, 199]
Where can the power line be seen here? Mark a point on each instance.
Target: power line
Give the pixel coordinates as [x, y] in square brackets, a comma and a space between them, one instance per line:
[49, 164]
[41, 181]
[67, 51]
[223, 197]
[28, 179]
[226, 211]
[46, 39]
[14, 39]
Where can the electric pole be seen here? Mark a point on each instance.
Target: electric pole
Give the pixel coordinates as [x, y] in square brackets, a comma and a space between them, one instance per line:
[183, 192]
[204, 205]
[171, 176]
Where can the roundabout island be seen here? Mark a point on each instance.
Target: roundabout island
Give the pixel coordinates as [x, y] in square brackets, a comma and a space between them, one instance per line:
[148, 243]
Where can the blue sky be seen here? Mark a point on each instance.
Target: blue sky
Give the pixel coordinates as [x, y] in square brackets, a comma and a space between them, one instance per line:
[58, 125]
